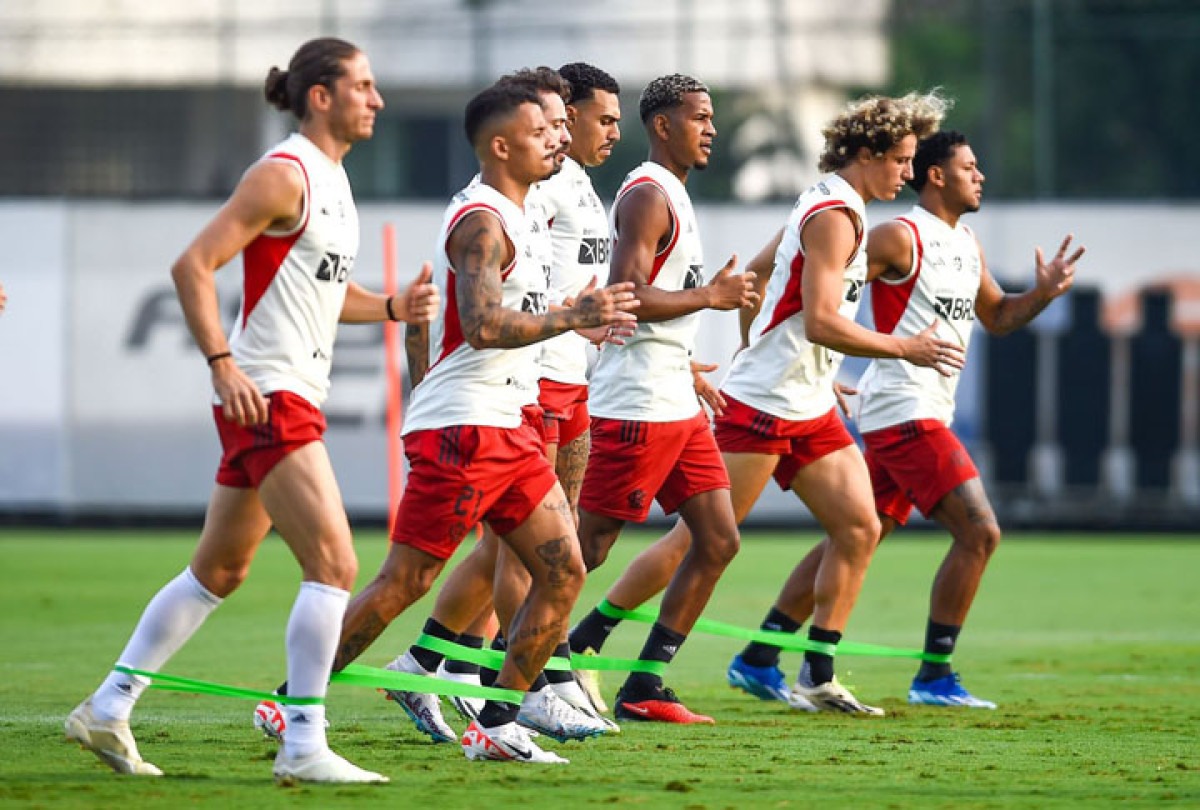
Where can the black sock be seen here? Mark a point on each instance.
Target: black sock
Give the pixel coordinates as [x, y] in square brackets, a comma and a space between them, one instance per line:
[497, 713]
[939, 640]
[465, 667]
[820, 665]
[487, 675]
[592, 631]
[428, 658]
[760, 654]
[560, 675]
[661, 645]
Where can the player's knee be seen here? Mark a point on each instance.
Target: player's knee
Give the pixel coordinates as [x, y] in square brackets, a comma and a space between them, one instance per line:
[221, 581]
[594, 548]
[718, 548]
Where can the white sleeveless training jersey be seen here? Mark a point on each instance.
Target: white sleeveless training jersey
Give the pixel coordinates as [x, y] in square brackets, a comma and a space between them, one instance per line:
[942, 289]
[649, 379]
[580, 241]
[294, 282]
[781, 372]
[466, 386]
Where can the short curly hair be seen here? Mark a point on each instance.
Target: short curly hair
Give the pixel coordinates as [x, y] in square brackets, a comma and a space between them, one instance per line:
[934, 151]
[879, 123]
[586, 79]
[667, 92]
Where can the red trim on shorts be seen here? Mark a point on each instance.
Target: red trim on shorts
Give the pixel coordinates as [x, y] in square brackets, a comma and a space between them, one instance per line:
[797, 443]
[916, 463]
[250, 453]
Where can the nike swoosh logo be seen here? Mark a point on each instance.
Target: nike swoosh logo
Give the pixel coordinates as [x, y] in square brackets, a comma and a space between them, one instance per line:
[520, 753]
[642, 710]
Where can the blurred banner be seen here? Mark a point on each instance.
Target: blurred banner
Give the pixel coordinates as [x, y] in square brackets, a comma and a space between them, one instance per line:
[105, 402]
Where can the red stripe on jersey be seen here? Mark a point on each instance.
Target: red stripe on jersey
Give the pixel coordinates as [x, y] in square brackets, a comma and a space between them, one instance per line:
[660, 258]
[452, 338]
[472, 208]
[888, 301]
[263, 257]
[792, 300]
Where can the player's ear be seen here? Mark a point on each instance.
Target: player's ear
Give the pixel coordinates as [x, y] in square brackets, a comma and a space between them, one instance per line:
[572, 115]
[936, 175]
[662, 126]
[498, 146]
[319, 97]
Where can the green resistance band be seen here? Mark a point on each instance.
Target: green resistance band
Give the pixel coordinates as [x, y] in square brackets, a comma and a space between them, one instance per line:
[494, 659]
[352, 675]
[786, 641]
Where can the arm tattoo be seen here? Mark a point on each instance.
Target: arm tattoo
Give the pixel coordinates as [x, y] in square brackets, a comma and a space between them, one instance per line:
[416, 351]
[477, 285]
[1016, 311]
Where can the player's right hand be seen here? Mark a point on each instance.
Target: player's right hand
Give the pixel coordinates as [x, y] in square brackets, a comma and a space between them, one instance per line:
[608, 306]
[927, 349]
[241, 401]
[729, 290]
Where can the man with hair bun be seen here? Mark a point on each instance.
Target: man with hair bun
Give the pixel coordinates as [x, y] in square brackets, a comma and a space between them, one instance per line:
[292, 217]
[780, 417]
[650, 438]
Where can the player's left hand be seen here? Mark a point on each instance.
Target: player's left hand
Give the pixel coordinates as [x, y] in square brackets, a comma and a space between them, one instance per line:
[841, 392]
[708, 393]
[420, 301]
[1056, 278]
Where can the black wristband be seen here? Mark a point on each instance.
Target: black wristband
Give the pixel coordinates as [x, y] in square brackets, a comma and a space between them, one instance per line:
[212, 358]
[391, 315]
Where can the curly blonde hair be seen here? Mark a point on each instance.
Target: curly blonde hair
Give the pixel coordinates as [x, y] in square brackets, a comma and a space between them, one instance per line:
[879, 123]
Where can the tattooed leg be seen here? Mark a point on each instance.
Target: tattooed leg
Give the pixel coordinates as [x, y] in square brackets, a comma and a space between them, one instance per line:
[967, 514]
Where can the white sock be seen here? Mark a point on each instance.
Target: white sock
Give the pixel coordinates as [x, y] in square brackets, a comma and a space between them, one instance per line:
[313, 632]
[172, 616]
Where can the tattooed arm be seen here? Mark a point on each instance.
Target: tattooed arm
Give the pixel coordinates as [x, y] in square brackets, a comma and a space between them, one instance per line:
[1002, 313]
[479, 251]
[416, 351]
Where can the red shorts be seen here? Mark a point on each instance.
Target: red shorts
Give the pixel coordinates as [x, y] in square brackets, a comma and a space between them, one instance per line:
[915, 464]
[742, 429]
[564, 410]
[461, 475]
[249, 453]
[632, 462]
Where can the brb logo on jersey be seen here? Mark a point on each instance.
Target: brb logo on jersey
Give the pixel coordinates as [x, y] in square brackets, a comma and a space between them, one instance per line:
[335, 268]
[593, 250]
[694, 277]
[854, 289]
[535, 303]
[955, 309]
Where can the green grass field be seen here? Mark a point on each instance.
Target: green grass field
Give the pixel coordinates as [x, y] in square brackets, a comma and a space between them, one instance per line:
[1091, 645]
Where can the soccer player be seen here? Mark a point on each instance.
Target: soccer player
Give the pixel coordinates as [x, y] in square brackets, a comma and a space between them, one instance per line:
[780, 417]
[472, 430]
[929, 269]
[649, 437]
[293, 218]
[464, 604]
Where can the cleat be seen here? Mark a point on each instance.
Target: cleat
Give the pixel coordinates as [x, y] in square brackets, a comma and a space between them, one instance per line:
[468, 708]
[509, 742]
[660, 706]
[573, 695]
[546, 713]
[947, 691]
[424, 709]
[589, 682]
[323, 766]
[111, 741]
[270, 720]
[830, 697]
[765, 683]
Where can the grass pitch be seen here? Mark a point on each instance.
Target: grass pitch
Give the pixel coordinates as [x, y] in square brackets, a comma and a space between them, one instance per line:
[1090, 645]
